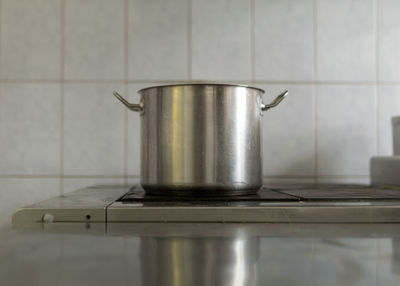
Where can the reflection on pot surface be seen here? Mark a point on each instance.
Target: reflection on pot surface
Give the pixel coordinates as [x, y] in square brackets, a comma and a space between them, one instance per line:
[199, 261]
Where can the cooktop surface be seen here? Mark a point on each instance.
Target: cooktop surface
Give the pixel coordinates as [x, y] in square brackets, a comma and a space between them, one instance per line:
[293, 203]
[274, 193]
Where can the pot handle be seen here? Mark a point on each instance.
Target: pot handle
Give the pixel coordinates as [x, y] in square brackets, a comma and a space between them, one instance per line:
[275, 102]
[131, 106]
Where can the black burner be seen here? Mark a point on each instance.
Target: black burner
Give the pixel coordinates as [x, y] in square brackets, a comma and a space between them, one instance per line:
[264, 194]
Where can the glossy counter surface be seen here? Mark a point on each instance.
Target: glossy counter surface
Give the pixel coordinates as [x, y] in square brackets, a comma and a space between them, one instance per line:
[201, 254]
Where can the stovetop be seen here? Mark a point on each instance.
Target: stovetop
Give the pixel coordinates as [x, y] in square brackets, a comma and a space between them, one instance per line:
[290, 203]
[272, 193]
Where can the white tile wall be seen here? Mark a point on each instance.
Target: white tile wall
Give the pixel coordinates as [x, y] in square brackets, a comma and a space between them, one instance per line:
[221, 40]
[94, 39]
[158, 39]
[61, 59]
[346, 129]
[284, 40]
[29, 129]
[93, 130]
[389, 40]
[30, 39]
[346, 40]
[288, 132]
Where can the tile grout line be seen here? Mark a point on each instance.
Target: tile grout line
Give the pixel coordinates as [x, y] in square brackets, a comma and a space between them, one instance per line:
[62, 107]
[315, 119]
[22, 176]
[314, 90]
[189, 35]
[126, 91]
[1, 35]
[278, 82]
[252, 40]
[377, 97]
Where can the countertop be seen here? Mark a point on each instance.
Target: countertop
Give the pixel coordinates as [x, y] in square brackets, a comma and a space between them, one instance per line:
[201, 254]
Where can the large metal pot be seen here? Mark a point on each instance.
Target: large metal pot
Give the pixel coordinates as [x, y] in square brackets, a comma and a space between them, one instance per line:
[201, 139]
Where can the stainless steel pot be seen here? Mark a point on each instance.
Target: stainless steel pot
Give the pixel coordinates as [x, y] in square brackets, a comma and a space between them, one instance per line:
[201, 139]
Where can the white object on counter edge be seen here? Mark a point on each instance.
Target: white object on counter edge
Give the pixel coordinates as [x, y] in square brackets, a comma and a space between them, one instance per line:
[385, 170]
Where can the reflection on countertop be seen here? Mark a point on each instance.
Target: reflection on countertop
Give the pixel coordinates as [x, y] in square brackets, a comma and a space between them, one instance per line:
[201, 254]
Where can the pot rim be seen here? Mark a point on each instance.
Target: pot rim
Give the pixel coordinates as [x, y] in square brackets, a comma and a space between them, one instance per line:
[202, 84]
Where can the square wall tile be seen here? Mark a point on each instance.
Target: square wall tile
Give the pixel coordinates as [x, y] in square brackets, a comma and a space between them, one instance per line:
[346, 129]
[389, 39]
[20, 192]
[389, 106]
[345, 40]
[93, 130]
[31, 36]
[73, 184]
[284, 40]
[221, 40]
[29, 128]
[288, 132]
[94, 39]
[158, 39]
